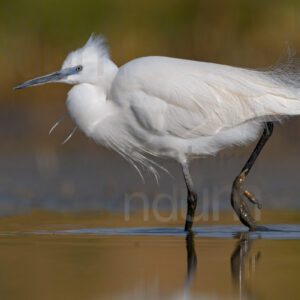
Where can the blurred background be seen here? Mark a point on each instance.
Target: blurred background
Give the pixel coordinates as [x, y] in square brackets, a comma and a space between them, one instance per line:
[37, 172]
[47, 187]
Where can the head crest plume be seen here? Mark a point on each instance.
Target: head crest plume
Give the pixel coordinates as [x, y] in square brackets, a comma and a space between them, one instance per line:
[98, 43]
[95, 48]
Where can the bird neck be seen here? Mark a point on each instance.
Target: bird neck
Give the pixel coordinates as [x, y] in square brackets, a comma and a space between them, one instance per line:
[110, 71]
[87, 105]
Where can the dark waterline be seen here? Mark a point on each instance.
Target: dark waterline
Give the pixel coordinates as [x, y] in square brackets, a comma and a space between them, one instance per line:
[275, 232]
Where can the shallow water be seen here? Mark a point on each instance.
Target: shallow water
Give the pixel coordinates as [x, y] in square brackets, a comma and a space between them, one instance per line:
[279, 231]
[214, 262]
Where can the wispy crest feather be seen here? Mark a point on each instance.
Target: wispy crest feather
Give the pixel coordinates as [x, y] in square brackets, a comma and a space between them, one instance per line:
[95, 49]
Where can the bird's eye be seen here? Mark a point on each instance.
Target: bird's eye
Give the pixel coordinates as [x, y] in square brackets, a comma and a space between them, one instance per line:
[79, 68]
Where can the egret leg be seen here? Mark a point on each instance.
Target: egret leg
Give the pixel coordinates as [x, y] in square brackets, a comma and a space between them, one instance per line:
[191, 198]
[238, 192]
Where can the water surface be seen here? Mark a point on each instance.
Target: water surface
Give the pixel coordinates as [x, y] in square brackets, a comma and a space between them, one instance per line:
[67, 261]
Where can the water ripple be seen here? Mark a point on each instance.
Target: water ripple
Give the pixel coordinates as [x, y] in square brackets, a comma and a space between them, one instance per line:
[279, 231]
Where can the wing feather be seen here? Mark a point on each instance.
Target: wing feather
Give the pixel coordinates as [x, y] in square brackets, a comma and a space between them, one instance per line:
[189, 99]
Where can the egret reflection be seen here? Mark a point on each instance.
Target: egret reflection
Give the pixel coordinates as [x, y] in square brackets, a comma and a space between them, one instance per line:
[191, 261]
[241, 259]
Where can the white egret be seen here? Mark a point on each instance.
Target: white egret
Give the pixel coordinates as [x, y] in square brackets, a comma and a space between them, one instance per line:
[174, 108]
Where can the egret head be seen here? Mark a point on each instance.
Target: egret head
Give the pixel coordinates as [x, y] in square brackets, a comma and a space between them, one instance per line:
[89, 64]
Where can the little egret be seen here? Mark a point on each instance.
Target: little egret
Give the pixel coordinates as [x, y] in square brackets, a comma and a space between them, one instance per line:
[175, 108]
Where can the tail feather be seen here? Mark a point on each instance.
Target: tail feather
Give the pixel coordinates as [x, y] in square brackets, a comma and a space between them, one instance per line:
[283, 92]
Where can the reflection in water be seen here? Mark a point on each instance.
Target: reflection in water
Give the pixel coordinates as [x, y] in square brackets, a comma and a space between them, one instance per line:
[241, 266]
[107, 265]
[191, 261]
[239, 262]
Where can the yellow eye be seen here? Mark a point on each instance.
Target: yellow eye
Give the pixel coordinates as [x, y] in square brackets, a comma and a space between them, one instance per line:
[79, 68]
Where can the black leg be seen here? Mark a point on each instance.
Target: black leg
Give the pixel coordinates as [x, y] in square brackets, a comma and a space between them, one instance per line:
[191, 198]
[268, 130]
[238, 192]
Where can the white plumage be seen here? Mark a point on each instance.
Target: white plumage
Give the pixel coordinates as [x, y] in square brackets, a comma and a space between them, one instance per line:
[161, 106]
[168, 107]
[172, 107]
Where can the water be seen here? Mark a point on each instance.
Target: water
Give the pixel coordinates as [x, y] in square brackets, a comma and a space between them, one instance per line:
[279, 231]
[215, 262]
